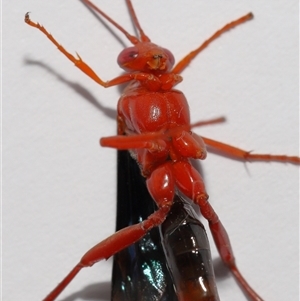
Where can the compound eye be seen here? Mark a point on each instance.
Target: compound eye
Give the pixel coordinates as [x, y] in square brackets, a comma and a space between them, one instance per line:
[127, 55]
[170, 57]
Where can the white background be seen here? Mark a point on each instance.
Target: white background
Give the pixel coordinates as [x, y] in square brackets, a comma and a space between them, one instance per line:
[59, 186]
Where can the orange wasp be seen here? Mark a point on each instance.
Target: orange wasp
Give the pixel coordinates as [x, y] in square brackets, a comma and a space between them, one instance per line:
[154, 124]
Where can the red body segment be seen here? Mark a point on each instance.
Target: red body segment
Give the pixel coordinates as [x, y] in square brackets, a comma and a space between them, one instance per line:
[163, 113]
[144, 111]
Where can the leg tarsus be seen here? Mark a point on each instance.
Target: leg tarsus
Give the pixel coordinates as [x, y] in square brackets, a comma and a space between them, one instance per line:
[62, 285]
[253, 296]
[181, 65]
[79, 63]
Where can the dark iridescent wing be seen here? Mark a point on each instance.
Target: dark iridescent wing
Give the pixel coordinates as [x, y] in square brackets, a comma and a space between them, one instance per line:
[139, 271]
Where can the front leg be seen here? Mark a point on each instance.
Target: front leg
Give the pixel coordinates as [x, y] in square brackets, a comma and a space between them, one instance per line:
[149, 80]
